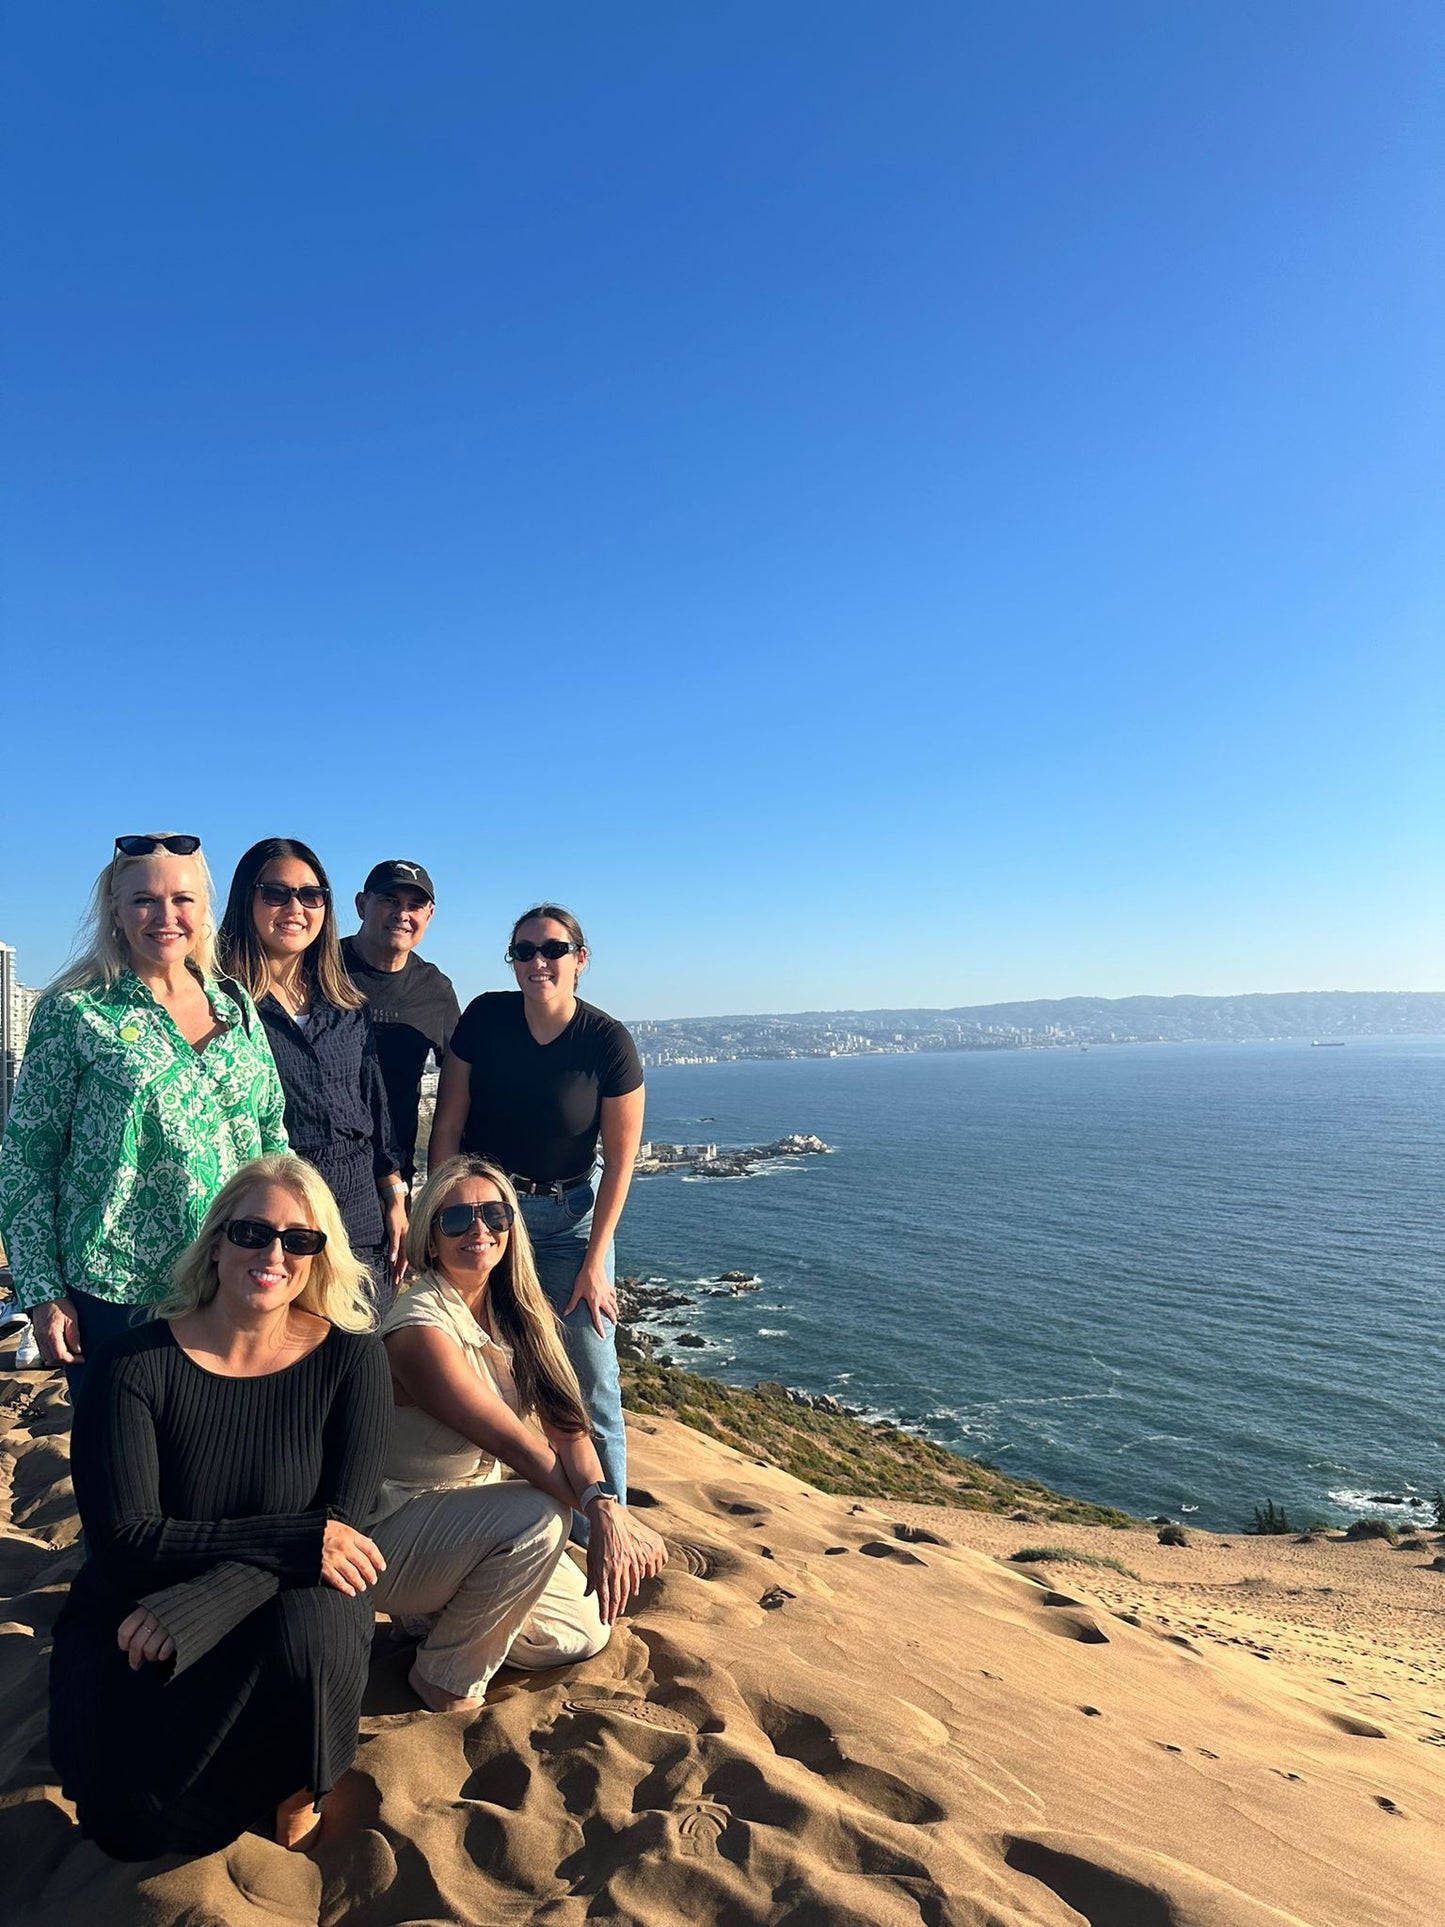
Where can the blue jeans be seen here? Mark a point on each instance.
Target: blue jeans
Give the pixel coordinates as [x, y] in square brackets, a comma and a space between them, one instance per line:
[559, 1232]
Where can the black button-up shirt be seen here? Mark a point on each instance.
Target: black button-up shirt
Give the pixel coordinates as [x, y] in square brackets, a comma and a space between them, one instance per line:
[336, 1110]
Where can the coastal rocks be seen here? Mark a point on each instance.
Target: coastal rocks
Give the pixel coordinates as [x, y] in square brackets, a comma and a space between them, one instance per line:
[734, 1284]
[640, 1304]
[707, 1161]
[814, 1401]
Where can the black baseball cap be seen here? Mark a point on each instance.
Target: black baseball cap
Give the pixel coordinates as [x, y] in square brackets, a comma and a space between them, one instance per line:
[386, 876]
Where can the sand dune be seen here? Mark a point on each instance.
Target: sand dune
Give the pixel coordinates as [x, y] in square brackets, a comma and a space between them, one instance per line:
[828, 1714]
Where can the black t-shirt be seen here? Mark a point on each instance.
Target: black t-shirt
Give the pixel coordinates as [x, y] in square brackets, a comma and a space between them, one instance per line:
[414, 1011]
[537, 1108]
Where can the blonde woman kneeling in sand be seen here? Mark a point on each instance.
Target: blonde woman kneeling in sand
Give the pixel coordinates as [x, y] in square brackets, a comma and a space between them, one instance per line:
[210, 1660]
[475, 1352]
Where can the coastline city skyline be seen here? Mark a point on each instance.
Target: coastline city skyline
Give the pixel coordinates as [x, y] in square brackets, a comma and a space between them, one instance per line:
[1042, 1023]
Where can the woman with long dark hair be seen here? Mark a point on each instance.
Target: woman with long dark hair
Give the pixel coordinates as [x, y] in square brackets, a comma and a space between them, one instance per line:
[146, 1083]
[534, 1079]
[475, 1353]
[278, 938]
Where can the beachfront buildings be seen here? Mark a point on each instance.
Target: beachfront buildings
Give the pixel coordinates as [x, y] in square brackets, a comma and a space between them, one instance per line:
[16, 1004]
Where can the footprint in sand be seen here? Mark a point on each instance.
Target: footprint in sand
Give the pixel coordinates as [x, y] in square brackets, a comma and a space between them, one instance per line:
[629, 1706]
[702, 1562]
[1095, 1891]
[738, 1508]
[919, 1536]
[812, 1743]
[880, 1549]
[700, 1825]
[1357, 1728]
[639, 1496]
[1075, 1621]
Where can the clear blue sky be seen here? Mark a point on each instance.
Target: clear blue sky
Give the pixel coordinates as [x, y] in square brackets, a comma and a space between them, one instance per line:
[869, 504]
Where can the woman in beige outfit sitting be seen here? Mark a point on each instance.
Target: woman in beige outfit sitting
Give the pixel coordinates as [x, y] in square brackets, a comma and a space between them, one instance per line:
[475, 1353]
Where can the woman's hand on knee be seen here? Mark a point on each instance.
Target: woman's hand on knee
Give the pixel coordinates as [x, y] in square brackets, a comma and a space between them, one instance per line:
[349, 1560]
[143, 1638]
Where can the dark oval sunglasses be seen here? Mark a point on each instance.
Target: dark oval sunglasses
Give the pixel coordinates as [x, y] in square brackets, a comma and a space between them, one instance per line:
[311, 896]
[554, 950]
[148, 845]
[456, 1220]
[254, 1234]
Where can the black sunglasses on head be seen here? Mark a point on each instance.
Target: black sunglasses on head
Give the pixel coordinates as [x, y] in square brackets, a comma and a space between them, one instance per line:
[554, 950]
[148, 845]
[311, 896]
[254, 1234]
[456, 1220]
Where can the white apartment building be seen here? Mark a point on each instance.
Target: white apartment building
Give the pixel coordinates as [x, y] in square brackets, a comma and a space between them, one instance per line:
[16, 1005]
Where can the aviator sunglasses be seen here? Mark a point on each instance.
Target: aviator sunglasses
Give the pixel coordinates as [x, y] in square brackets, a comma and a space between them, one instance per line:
[455, 1220]
[554, 950]
[311, 896]
[148, 845]
[254, 1234]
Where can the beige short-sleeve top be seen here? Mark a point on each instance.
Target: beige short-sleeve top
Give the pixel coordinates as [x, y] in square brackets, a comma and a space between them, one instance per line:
[426, 1455]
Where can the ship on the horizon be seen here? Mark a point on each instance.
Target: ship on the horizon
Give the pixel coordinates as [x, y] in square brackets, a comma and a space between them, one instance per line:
[1328, 1043]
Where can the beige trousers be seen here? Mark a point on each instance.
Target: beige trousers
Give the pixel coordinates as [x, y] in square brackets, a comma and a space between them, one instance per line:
[487, 1562]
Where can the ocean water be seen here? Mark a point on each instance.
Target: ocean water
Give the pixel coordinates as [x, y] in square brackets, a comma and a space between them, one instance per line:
[1173, 1278]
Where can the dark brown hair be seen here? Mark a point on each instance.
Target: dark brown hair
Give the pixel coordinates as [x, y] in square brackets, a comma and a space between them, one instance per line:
[242, 956]
[557, 914]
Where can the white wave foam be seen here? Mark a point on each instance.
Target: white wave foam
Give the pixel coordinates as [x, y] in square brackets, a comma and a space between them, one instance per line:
[769, 1331]
[1404, 1505]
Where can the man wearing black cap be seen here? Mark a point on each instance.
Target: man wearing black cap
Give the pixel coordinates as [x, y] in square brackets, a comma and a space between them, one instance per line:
[413, 1006]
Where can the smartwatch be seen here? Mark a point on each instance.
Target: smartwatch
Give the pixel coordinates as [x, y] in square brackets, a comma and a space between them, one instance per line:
[597, 1490]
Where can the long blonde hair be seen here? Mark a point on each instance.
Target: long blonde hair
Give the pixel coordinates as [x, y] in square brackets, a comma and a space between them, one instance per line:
[546, 1382]
[335, 1287]
[101, 954]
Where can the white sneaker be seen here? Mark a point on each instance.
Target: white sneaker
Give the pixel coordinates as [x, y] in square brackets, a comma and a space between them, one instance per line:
[27, 1352]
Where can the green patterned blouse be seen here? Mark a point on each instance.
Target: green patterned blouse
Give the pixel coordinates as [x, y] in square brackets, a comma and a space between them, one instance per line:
[120, 1135]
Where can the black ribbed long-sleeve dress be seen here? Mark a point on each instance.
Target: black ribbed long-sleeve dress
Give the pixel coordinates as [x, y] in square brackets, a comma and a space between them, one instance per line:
[205, 1499]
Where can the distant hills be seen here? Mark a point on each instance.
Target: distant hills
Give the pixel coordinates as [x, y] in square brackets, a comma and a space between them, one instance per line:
[1289, 1013]
[1324, 1016]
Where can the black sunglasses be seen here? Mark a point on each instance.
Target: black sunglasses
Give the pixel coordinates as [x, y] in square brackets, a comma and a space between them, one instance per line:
[455, 1220]
[311, 896]
[254, 1234]
[148, 845]
[553, 950]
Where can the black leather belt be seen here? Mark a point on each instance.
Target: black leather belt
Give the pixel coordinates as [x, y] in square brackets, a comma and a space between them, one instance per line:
[559, 1187]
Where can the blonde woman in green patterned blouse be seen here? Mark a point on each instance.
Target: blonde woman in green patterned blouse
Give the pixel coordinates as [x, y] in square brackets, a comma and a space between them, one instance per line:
[145, 1086]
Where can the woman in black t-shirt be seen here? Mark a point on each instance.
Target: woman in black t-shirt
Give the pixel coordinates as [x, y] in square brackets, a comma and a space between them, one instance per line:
[532, 1080]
